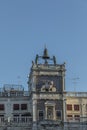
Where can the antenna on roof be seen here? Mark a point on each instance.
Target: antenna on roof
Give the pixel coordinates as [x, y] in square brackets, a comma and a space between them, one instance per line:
[19, 82]
[44, 45]
[75, 79]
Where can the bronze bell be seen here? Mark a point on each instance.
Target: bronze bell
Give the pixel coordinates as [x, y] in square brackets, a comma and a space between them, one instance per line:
[45, 54]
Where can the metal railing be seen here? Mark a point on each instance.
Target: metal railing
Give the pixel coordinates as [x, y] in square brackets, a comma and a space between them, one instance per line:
[16, 120]
[14, 94]
[77, 94]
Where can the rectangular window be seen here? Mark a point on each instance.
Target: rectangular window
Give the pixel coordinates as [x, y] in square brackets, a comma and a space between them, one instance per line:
[69, 117]
[2, 118]
[41, 115]
[77, 117]
[23, 106]
[15, 106]
[76, 107]
[58, 115]
[2, 107]
[69, 107]
[16, 118]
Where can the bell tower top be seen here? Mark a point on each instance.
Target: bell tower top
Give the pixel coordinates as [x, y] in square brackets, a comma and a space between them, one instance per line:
[46, 74]
[45, 54]
[45, 57]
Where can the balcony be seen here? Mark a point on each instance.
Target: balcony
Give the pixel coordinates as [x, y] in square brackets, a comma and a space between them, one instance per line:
[16, 121]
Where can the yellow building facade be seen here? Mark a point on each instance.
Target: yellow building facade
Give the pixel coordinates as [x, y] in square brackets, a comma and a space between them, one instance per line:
[76, 106]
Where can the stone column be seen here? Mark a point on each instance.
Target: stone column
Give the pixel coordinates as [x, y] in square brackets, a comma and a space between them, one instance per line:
[45, 111]
[64, 110]
[82, 111]
[54, 113]
[34, 83]
[63, 82]
[34, 115]
[8, 109]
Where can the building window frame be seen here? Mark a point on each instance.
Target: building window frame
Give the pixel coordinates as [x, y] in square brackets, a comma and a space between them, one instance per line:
[59, 117]
[16, 118]
[69, 107]
[39, 117]
[1, 118]
[69, 117]
[77, 117]
[2, 107]
[24, 106]
[76, 107]
[16, 107]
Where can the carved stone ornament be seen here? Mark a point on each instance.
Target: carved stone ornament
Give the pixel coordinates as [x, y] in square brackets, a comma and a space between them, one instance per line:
[48, 87]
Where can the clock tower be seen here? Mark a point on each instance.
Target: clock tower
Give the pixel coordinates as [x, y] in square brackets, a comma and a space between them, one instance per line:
[46, 87]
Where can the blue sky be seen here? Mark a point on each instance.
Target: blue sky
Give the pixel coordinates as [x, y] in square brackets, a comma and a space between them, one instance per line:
[27, 25]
